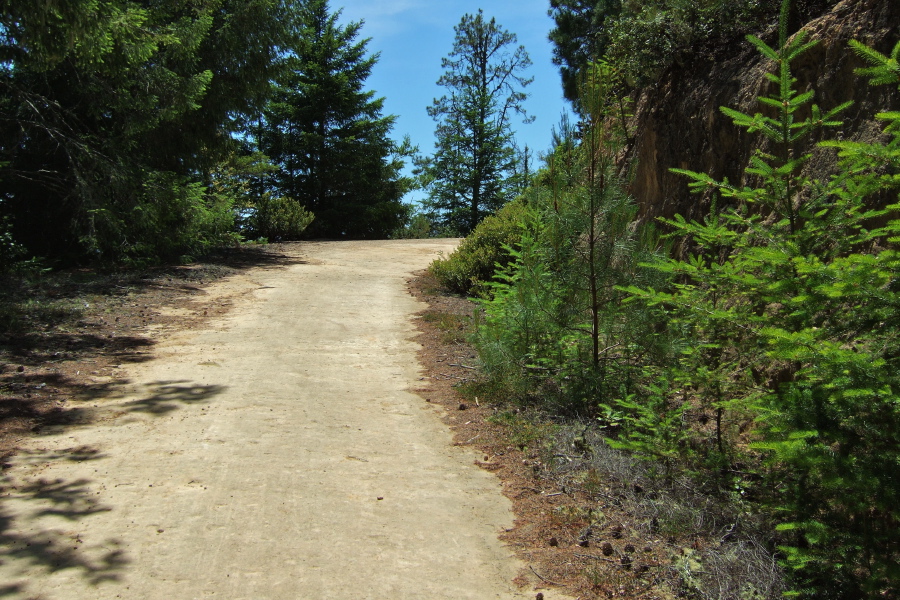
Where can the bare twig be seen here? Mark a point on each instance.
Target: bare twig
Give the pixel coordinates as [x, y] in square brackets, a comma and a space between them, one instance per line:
[608, 348]
[463, 366]
[565, 456]
[544, 579]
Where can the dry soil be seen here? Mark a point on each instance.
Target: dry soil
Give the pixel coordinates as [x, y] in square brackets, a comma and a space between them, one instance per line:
[277, 451]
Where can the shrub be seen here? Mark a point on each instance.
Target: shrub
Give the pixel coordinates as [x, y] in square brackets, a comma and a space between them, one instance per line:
[278, 218]
[649, 36]
[471, 266]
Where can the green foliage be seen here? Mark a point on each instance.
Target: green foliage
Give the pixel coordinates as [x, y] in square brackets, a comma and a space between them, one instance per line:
[10, 252]
[526, 432]
[327, 133]
[242, 183]
[106, 102]
[454, 328]
[764, 359]
[556, 317]
[873, 167]
[475, 167]
[41, 35]
[642, 38]
[277, 218]
[884, 70]
[650, 36]
[469, 268]
[787, 304]
[193, 219]
[416, 225]
[580, 37]
[654, 425]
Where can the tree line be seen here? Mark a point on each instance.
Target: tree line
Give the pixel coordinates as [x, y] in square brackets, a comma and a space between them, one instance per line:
[135, 131]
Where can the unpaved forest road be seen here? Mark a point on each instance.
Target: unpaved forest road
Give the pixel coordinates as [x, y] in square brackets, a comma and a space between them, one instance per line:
[276, 453]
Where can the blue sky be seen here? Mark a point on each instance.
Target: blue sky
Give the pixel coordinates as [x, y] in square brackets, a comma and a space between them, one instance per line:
[414, 35]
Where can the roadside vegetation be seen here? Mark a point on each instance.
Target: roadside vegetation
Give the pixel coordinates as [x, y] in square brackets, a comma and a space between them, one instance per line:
[744, 367]
[644, 38]
[139, 133]
[730, 382]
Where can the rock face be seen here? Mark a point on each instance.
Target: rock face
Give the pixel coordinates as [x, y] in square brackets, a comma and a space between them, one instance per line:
[678, 123]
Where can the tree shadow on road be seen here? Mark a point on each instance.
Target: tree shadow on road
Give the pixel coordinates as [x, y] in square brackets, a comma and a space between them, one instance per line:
[52, 549]
[62, 339]
[167, 396]
[41, 518]
[62, 335]
[110, 401]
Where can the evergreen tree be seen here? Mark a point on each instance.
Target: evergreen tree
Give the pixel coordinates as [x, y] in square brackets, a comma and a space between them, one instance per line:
[473, 170]
[789, 302]
[556, 319]
[112, 113]
[579, 37]
[327, 133]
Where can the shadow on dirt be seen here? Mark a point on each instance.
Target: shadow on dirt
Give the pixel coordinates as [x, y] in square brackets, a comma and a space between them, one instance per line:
[35, 306]
[40, 517]
[97, 320]
[57, 549]
[157, 399]
[62, 339]
[172, 395]
[29, 402]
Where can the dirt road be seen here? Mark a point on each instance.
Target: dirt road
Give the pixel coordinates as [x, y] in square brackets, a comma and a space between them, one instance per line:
[276, 453]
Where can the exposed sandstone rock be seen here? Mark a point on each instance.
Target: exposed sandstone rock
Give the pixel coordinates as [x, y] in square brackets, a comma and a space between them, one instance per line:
[678, 123]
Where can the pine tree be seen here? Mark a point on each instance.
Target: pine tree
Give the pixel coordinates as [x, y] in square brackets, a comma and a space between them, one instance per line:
[113, 112]
[327, 133]
[580, 37]
[473, 170]
[788, 301]
[556, 319]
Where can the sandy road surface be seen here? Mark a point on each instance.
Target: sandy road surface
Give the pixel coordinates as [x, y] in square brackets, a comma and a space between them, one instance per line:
[274, 454]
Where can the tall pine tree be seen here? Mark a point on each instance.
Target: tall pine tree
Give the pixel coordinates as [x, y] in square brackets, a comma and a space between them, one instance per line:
[328, 134]
[113, 111]
[474, 169]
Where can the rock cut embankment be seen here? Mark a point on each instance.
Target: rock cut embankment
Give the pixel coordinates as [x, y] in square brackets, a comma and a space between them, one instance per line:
[678, 123]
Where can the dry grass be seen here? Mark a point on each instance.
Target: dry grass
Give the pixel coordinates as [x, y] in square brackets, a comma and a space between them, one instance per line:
[712, 546]
[590, 519]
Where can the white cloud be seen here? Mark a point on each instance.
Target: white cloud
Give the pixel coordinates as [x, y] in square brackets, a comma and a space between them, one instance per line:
[382, 17]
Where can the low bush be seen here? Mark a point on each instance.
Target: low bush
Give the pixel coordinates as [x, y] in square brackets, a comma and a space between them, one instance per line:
[471, 266]
[278, 218]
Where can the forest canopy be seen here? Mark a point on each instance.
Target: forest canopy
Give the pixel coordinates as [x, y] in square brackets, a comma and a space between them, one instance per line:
[132, 131]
